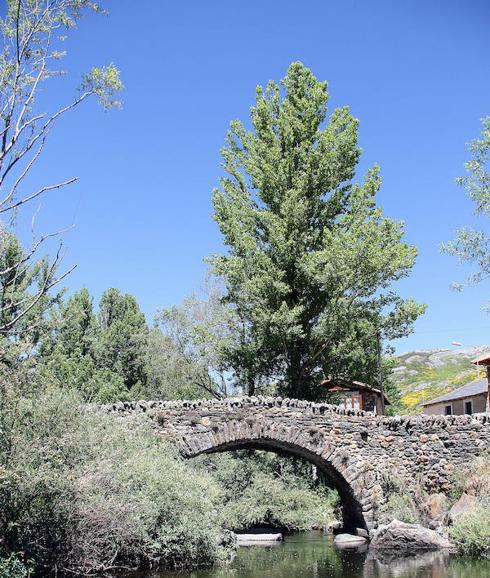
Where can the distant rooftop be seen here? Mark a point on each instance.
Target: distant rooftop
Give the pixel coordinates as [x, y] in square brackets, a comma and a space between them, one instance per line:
[468, 390]
[482, 360]
[342, 384]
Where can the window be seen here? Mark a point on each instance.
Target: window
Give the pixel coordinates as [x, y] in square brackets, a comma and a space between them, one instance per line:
[448, 410]
[468, 407]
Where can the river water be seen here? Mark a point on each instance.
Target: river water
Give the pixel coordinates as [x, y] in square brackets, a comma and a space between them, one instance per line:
[312, 555]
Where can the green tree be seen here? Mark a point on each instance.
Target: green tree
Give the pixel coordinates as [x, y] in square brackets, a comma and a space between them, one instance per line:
[311, 257]
[67, 352]
[104, 355]
[296, 497]
[78, 327]
[472, 246]
[123, 338]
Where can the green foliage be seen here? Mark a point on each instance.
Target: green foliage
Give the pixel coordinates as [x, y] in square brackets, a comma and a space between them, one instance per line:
[103, 356]
[123, 336]
[35, 27]
[263, 489]
[24, 300]
[471, 532]
[12, 567]
[104, 83]
[401, 507]
[472, 246]
[83, 493]
[277, 503]
[403, 503]
[170, 374]
[311, 257]
[474, 478]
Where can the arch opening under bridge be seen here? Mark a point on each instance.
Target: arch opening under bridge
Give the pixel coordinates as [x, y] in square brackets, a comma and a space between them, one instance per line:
[352, 513]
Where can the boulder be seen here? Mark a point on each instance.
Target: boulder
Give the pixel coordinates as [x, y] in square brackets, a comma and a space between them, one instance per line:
[362, 532]
[247, 538]
[349, 540]
[401, 536]
[465, 504]
[436, 507]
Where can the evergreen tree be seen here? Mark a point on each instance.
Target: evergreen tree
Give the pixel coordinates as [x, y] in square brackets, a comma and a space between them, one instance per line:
[123, 338]
[311, 257]
[103, 356]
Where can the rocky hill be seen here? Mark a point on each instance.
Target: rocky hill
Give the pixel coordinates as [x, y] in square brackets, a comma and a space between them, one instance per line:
[425, 374]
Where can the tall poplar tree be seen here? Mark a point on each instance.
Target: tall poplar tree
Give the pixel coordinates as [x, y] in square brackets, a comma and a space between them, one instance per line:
[311, 258]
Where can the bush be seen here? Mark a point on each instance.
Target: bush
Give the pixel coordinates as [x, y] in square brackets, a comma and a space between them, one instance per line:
[405, 502]
[12, 567]
[471, 532]
[401, 507]
[262, 489]
[85, 493]
[473, 479]
[274, 502]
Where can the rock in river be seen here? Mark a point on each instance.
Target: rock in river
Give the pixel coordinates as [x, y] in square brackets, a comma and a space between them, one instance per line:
[349, 540]
[401, 536]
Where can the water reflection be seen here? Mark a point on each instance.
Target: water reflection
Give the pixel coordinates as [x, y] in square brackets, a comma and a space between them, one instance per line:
[312, 555]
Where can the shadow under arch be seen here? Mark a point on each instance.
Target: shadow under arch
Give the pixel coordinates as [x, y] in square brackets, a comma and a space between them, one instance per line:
[351, 508]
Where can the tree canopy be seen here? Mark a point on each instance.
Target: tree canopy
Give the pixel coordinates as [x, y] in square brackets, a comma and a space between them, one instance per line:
[311, 257]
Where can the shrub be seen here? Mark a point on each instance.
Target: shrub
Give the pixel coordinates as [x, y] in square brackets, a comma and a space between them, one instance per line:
[471, 532]
[401, 507]
[82, 493]
[12, 567]
[261, 488]
[274, 502]
[474, 478]
[405, 502]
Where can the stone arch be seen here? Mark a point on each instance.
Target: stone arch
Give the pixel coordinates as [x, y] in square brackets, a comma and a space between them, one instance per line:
[352, 481]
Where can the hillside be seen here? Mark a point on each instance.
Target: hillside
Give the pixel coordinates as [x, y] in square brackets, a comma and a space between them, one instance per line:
[425, 374]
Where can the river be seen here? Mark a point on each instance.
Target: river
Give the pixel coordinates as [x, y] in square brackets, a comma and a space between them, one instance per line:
[312, 555]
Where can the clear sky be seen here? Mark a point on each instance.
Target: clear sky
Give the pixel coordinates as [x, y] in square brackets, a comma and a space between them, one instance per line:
[416, 73]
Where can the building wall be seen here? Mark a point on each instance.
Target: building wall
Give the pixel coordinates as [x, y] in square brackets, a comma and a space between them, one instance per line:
[479, 405]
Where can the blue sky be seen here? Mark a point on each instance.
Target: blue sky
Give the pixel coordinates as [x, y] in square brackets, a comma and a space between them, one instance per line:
[415, 73]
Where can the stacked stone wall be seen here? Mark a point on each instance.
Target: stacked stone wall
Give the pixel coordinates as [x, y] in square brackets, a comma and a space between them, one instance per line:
[364, 456]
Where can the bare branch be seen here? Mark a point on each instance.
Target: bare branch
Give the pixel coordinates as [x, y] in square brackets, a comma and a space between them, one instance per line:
[44, 289]
[38, 193]
[23, 174]
[34, 249]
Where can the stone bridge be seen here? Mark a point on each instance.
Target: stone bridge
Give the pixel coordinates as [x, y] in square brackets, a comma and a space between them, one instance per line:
[365, 457]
